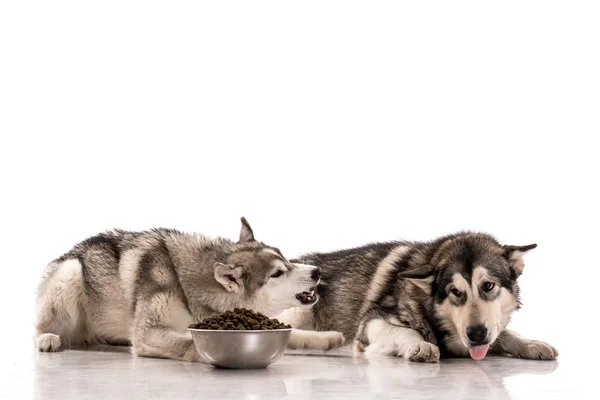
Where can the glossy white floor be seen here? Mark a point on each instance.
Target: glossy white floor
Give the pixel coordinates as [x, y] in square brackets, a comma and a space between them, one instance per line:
[114, 374]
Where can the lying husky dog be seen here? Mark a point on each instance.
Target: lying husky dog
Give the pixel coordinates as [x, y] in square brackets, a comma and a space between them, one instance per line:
[145, 288]
[453, 296]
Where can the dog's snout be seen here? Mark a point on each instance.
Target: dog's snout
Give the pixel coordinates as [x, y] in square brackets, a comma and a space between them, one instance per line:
[316, 274]
[477, 334]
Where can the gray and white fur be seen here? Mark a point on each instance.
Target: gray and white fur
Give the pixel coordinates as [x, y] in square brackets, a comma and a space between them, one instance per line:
[145, 288]
[452, 296]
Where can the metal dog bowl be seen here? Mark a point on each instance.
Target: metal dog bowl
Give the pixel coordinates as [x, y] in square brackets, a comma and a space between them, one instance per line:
[240, 349]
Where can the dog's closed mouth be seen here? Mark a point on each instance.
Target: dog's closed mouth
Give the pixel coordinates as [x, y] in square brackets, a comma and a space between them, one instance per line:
[307, 297]
[479, 352]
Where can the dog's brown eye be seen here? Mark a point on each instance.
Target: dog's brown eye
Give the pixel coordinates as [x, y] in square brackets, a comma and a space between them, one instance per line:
[488, 286]
[456, 292]
[277, 274]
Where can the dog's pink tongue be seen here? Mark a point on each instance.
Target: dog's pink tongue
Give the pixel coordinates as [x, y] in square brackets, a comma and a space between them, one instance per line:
[479, 352]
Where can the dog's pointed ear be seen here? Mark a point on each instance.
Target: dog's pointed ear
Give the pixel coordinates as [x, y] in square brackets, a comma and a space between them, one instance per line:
[514, 255]
[246, 234]
[421, 277]
[230, 276]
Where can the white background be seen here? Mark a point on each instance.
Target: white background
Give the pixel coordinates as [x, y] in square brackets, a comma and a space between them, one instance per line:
[326, 124]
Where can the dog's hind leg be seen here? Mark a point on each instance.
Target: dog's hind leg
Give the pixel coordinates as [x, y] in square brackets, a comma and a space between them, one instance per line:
[393, 340]
[58, 323]
[160, 326]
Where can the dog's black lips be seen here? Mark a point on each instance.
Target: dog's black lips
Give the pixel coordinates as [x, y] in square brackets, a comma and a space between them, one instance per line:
[307, 297]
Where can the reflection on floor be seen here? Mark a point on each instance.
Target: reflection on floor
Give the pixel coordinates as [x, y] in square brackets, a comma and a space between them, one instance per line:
[114, 374]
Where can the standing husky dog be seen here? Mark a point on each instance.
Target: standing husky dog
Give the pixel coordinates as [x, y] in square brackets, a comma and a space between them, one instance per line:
[146, 288]
[454, 295]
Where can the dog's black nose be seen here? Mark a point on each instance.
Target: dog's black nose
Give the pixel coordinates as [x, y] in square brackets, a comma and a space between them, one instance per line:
[316, 274]
[477, 334]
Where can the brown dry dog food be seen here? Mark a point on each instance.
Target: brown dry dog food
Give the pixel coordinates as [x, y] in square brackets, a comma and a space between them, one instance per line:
[239, 319]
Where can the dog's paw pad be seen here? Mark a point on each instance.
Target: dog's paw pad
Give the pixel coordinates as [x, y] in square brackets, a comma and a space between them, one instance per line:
[48, 342]
[424, 352]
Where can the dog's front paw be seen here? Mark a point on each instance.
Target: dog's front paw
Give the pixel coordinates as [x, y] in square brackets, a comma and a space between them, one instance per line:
[315, 340]
[423, 352]
[325, 340]
[536, 350]
[334, 339]
[48, 342]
